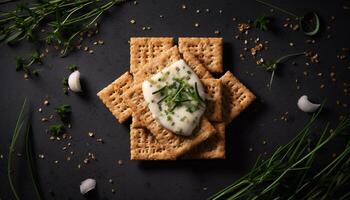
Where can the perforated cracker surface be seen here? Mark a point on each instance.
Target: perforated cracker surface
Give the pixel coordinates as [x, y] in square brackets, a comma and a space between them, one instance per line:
[214, 102]
[207, 50]
[236, 97]
[144, 146]
[143, 49]
[111, 96]
[213, 148]
[157, 64]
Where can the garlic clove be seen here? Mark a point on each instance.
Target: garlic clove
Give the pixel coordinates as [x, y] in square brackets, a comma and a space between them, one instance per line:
[74, 81]
[306, 106]
[87, 185]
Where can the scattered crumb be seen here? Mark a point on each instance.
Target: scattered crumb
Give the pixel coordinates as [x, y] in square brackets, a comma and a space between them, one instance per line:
[243, 27]
[91, 134]
[120, 162]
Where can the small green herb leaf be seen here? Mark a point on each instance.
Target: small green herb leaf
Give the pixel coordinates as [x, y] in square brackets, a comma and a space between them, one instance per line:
[65, 82]
[72, 67]
[56, 129]
[64, 112]
[19, 63]
[262, 23]
[35, 57]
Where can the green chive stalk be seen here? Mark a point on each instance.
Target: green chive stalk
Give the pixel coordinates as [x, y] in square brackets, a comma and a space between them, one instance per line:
[288, 173]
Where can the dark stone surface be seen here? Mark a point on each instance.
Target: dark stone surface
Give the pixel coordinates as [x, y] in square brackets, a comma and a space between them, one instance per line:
[180, 179]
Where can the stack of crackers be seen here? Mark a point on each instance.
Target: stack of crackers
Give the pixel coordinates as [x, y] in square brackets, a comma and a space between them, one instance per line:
[148, 139]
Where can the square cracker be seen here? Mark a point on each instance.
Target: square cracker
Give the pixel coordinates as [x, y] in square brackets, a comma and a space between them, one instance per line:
[177, 145]
[143, 49]
[156, 64]
[214, 103]
[196, 65]
[111, 96]
[165, 59]
[207, 50]
[144, 146]
[236, 97]
[213, 148]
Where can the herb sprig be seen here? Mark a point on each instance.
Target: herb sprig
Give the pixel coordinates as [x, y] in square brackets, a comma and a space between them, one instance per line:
[303, 20]
[287, 173]
[56, 129]
[23, 64]
[179, 93]
[271, 65]
[262, 23]
[64, 112]
[65, 19]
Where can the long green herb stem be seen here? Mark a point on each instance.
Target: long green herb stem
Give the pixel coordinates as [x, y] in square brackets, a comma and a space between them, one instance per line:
[30, 163]
[19, 124]
[22, 121]
[271, 65]
[287, 173]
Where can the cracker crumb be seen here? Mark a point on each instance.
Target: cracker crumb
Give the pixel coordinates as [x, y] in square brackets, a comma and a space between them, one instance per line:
[243, 27]
[100, 140]
[91, 134]
[120, 162]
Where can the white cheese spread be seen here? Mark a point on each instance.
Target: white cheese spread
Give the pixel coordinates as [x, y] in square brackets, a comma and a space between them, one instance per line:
[175, 97]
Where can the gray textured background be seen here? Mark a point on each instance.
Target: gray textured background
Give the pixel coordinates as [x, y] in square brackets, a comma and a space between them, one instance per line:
[180, 179]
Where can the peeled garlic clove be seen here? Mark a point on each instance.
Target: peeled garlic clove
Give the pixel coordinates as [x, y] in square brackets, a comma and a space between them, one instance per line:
[305, 105]
[87, 185]
[74, 81]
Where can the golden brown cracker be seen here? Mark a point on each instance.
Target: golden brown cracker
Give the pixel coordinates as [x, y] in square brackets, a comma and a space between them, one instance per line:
[144, 146]
[213, 148]
[207, 50]
[196, 65]
[177, 145]
[236, 97]
[143, 49]
[111, 96]
[214, 101]
[157, 64]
